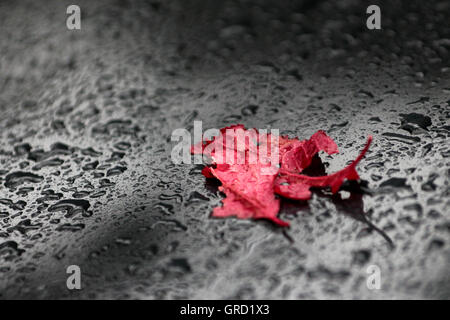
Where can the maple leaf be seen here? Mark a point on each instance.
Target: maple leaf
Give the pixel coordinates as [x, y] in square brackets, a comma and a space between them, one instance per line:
[250, 191]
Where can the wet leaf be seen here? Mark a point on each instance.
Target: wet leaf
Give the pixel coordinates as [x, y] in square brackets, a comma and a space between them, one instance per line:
[251, 186]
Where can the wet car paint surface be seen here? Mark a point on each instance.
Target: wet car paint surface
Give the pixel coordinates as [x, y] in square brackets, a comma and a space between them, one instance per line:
[87, 178]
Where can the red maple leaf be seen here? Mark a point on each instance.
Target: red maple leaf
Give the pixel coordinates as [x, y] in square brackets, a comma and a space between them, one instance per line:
[250, 186]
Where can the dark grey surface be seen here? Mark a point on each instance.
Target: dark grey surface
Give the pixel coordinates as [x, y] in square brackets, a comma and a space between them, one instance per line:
[140, 227]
